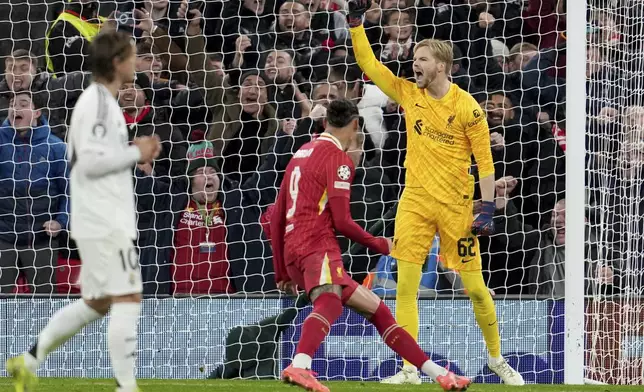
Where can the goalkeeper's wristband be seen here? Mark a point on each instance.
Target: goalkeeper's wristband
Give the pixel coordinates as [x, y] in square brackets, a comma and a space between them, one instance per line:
[488, 208]
[355, 20]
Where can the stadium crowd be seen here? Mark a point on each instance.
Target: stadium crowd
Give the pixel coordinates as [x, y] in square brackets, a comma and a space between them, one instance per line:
[234, 88]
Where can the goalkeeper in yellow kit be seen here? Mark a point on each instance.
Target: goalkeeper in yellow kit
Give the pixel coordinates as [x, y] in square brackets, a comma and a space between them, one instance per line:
[445, 125]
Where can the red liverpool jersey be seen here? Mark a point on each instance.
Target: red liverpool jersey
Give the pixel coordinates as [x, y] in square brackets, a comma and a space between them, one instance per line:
[313, 203]
[320, 170]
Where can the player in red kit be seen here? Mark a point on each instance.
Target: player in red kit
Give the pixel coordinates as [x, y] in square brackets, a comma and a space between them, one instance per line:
[312, 206]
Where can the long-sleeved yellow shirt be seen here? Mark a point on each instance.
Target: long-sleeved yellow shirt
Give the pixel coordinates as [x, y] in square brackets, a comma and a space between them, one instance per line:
[442, 133]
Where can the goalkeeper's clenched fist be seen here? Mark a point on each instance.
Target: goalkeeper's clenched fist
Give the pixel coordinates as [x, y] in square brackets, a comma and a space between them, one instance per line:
[357, 9]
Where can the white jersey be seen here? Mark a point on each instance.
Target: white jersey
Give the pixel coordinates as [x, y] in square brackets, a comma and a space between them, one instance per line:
[102, 161]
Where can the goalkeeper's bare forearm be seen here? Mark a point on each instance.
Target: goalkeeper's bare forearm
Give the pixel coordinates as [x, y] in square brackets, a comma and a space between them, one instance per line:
[487, 188]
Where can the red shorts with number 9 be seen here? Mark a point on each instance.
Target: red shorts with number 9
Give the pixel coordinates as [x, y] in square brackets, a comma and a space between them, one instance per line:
[320, 269]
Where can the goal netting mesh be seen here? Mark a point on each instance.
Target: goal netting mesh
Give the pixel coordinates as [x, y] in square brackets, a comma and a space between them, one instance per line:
[232, 103]
[614, 350]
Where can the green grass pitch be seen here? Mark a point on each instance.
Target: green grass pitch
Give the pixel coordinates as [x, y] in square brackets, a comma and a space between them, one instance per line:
[95, 385]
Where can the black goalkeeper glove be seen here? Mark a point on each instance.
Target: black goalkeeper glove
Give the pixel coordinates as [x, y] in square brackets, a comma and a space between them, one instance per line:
[484, 223]
[357, 9]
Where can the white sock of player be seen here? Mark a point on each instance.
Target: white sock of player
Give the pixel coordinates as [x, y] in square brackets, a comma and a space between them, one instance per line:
[433, 370]
[302, 361]
[121, 342]
[64, 324]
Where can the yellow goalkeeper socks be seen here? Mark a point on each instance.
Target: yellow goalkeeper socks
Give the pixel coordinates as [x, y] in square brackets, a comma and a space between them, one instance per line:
[484, 310]
[409, 275]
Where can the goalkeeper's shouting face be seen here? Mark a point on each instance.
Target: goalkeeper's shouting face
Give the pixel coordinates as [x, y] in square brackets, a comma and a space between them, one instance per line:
[432, 62]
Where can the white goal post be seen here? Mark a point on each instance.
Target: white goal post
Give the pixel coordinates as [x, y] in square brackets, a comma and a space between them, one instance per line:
[575, 192]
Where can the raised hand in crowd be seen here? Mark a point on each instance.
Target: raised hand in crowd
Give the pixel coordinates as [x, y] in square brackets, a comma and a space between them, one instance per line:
[146, 168]
[497, 141]
[486, 20]
[504, 187]
[607, 115]
[144, 21]
[193, 16]
[109, 23]
[288, 125]
[242, 43]
[605, 274]
[149, 146]
[318, 112]
[52, 228]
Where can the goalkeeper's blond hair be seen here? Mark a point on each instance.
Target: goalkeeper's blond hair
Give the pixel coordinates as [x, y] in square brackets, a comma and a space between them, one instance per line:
[441, 50]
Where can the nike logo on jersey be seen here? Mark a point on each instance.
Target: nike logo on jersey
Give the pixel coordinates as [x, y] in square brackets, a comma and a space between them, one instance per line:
[491, 324]
[466, 261]
[420, 106]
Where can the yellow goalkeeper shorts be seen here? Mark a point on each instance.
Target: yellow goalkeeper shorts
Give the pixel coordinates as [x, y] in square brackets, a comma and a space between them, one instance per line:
[420, 217]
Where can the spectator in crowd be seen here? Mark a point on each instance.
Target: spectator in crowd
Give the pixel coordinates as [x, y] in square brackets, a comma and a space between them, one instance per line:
[218, 244]
[216, 60]
[460, 75]
[59, 94]
[347, 77]
[471, 25]
[243, 123]
[619, 193]
[147, 61]
[143, 119]
[542, 270]
[68, 37]
[292, 31]
[33, 196]
[323, 93]
[500, 52]
[519, 57]
[201, 263]
[284, 90]
[527, 153]
[182, 105]
[250, 18]
[374, 16]
[397, 42]
[545, 22]
[327, 20]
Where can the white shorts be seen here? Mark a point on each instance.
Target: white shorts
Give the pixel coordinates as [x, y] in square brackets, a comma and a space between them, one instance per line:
[109, 266]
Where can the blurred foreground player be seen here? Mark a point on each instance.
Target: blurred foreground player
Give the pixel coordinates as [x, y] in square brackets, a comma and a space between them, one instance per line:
[312, 205]
[445, 125]
[102, 219]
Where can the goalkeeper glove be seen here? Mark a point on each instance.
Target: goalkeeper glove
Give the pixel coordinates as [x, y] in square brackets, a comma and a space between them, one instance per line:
[484, 222]
[357, 9]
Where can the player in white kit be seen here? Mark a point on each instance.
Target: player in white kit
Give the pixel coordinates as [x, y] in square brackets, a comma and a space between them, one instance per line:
[102, 218]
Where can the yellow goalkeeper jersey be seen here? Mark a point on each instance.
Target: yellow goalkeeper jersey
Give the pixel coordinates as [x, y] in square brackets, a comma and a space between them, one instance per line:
[442, 133]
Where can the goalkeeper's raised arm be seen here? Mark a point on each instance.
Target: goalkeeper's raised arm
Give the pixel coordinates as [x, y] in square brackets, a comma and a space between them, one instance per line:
[389, 83]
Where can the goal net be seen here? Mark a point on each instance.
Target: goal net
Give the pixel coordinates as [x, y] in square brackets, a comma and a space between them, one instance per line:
[234, 96]
[614, 350]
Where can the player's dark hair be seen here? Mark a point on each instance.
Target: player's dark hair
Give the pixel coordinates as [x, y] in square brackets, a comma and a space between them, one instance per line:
[341, 112]
[105, 47]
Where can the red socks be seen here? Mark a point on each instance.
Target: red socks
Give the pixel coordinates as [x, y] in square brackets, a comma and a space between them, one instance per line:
[397, 338]
[326, 309]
